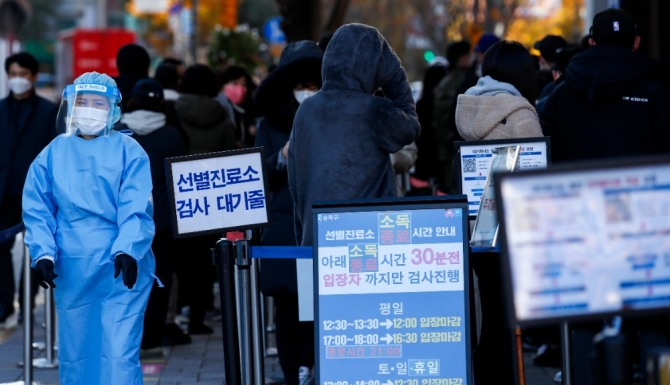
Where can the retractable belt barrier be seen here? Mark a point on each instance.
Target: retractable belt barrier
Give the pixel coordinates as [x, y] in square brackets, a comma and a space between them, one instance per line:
[28, 362]
[241, 305]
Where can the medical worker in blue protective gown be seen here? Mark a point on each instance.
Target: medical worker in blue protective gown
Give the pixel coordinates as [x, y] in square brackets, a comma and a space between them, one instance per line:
[87, 212]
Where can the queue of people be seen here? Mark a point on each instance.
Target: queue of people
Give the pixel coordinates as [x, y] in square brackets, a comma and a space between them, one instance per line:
[94, 198]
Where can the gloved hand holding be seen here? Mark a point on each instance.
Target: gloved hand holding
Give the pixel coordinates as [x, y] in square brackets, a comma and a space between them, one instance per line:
[126, 264]
[44, 269]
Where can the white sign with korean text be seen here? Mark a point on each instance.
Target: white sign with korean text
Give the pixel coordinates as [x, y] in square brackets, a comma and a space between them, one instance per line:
[218, 191]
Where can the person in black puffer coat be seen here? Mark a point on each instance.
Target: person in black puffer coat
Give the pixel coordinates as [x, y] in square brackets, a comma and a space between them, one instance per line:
[609, 104]
[209, 129]
[145, 117]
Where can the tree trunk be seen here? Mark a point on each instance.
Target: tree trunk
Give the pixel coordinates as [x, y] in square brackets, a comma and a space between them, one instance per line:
[301, 19]
[337, 15]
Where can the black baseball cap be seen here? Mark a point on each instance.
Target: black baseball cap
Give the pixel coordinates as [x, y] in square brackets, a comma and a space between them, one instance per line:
[549, 47]
[614, 27]
[148, 89]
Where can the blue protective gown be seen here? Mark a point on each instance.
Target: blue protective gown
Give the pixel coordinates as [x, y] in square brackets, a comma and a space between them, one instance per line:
[84, 202]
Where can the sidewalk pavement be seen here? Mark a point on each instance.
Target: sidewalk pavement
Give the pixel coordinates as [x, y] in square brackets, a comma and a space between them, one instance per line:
[200, 362]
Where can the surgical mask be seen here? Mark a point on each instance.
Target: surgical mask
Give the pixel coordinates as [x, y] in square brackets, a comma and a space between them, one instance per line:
[301, 95]
[19, 85]
[88, 120]
[235, 92]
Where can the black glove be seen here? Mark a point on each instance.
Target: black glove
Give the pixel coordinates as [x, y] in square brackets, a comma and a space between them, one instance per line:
[126, 264]
[44, 270]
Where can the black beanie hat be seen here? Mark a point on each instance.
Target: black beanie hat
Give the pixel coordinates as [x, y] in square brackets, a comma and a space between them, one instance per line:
[133, 59]
[199, 79]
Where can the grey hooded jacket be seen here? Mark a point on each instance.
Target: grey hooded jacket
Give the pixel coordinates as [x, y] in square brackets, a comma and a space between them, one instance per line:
[343, 136]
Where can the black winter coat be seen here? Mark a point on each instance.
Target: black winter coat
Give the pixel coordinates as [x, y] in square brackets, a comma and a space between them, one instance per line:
[26, 126]
[609, 105]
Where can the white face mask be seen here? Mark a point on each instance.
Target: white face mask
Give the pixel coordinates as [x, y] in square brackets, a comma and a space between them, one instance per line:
[19, 85]
[300, 96]
[88, 120]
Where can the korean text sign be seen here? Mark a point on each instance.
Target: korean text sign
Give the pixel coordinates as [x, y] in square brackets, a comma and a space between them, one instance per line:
[218, 191]
[392, 304]
[586, 240]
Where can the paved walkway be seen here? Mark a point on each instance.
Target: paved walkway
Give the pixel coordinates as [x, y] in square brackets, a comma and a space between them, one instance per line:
[200, 362]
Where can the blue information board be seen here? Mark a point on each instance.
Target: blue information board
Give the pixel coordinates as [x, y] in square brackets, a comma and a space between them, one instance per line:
[391, 283]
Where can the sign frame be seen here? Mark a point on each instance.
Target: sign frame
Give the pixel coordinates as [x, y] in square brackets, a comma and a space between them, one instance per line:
[170, 162]
[374, 207]
[459, 146]
[591, 166]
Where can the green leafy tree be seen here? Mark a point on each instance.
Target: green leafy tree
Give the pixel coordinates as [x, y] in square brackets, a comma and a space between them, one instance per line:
[238, 46]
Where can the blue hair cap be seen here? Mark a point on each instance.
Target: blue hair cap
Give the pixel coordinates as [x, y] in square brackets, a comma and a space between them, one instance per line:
[95, 82]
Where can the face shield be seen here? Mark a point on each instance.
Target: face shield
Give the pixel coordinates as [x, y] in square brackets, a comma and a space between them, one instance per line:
[88, 109]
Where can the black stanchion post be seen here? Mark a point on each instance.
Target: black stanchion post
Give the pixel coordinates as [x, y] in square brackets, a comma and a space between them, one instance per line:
[225, 262]
[256, 315]
[244, 306]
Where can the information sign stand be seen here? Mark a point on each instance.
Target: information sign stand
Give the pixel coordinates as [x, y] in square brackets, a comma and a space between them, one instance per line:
[391, 290]
[586, 242]
[216, 193]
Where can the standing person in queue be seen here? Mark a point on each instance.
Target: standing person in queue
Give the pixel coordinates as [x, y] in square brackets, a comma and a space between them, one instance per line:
[133, 62]
[297, 76]
[343, 135]
[611, 103]
[27, 126]
[145, 117]
[208, 128]
[87, 211]
[499, 106]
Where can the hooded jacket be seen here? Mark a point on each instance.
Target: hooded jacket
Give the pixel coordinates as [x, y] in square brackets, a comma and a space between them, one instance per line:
[343, 136]
[495, 110]
[206, 123]
[159, 141]
[300, 61]
[608, 105]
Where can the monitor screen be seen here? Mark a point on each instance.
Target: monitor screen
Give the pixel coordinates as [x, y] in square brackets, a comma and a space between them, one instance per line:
[586, 240]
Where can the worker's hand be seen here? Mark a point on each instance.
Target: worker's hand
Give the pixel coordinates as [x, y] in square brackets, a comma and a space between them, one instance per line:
[126, 264]
[44, 269]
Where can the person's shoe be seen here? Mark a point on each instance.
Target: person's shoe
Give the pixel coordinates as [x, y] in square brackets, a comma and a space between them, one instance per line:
[304, 375]
[558, 377]
[5, 313]
[199, 328]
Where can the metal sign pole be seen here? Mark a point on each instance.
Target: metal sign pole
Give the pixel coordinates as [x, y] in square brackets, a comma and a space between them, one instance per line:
[27, 319]
[50, 361]
[566, 370]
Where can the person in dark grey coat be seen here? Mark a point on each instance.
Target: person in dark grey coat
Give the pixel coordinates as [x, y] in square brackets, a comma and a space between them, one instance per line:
[343, 136]
[299, 67]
